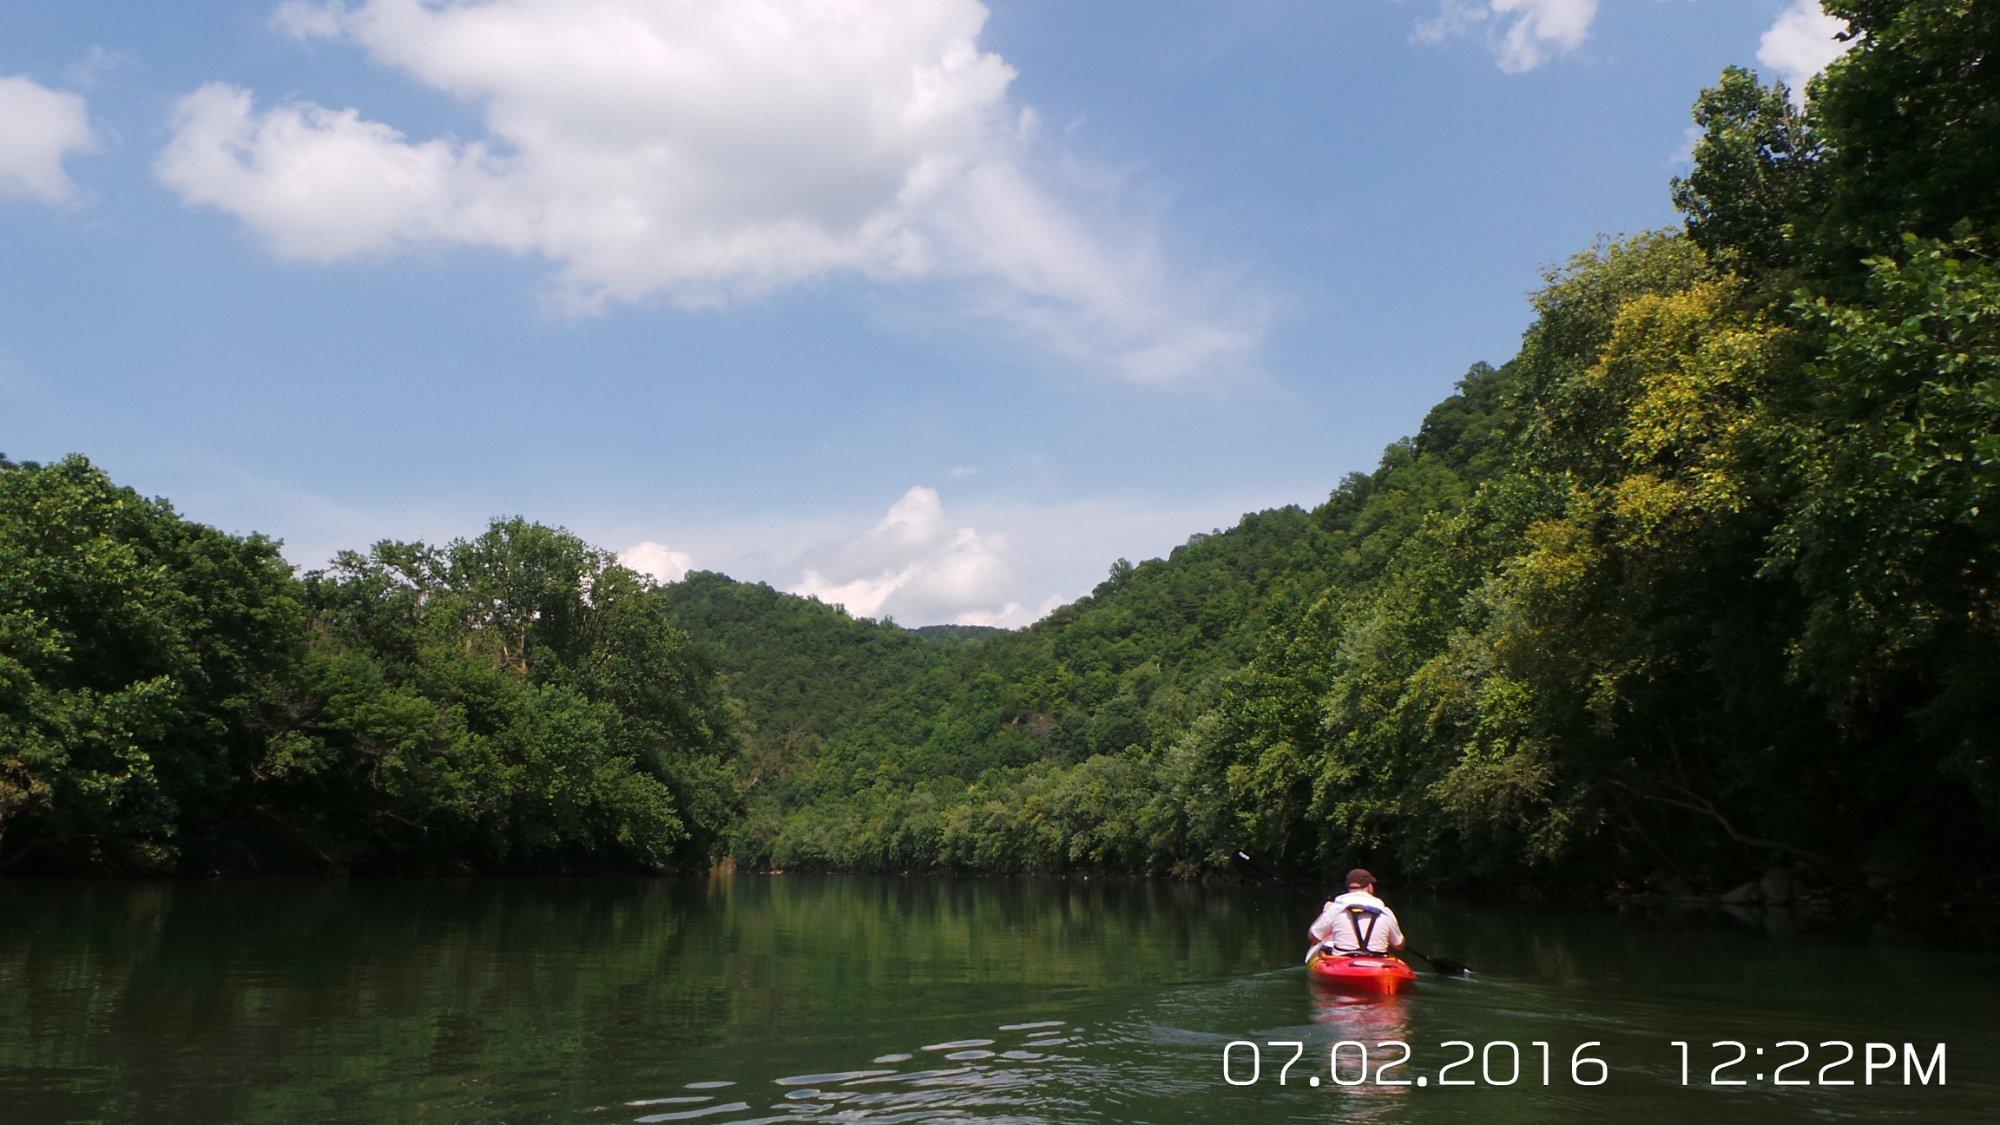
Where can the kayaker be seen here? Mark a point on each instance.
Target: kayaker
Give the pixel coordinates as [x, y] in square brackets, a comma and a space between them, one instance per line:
[1357, 921]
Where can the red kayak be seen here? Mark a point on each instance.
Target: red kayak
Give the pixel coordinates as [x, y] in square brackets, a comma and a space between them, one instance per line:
[1360, 972]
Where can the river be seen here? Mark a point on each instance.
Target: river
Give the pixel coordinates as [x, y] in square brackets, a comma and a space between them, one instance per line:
[780, 998]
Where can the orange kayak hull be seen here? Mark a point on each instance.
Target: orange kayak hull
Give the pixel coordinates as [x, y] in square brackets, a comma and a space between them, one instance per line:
[1368, 973]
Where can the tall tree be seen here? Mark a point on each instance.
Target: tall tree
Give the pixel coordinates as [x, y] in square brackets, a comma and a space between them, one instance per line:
[133, 644]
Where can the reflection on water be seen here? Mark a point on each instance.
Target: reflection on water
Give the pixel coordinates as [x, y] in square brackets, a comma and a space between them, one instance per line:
[785, 999]
[1362, 1031]
[1362, 1018]
[896, 1095]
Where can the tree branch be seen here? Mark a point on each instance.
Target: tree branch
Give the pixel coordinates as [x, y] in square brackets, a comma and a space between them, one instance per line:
[1696, 803]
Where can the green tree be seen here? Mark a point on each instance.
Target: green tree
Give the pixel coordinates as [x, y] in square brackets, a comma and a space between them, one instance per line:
[133, 644]
[1911, 119]
[1894, 532]
[515, 699]
[1758, 173]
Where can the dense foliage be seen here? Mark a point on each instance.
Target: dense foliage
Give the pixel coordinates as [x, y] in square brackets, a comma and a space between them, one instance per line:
[133, 648]
[876, 747]
[1699, 583]
[171, 697]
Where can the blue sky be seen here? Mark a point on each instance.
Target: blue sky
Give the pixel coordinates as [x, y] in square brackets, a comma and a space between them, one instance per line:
[928, 309]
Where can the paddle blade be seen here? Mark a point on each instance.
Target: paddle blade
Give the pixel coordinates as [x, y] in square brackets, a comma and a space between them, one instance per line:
[1444, 965]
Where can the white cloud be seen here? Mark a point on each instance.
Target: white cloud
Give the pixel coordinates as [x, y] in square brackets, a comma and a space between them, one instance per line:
[322, 184]
[1454, 18]
[960, 472]
[1011, 615]
[1101, 297]
[1801, 44]
[914, 565]
[1541, 30]
[1007, 564]
[1533, 31]
[39, 129]
[704, 153]
[658, 561]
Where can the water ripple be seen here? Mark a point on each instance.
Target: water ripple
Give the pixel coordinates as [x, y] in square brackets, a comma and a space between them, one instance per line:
[838, 1076]
[957, 1045]
[705, 1111]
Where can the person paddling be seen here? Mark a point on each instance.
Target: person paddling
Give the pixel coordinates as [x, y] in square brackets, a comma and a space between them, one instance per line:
[1356, 922]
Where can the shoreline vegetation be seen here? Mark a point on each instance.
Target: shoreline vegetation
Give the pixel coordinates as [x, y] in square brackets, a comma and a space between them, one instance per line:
[1697, 595]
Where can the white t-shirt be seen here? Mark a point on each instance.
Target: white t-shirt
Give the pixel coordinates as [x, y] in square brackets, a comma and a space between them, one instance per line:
[1336, 926]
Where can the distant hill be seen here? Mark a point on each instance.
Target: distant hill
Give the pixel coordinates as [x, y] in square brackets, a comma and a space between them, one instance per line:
[832, 708]
[799, 669]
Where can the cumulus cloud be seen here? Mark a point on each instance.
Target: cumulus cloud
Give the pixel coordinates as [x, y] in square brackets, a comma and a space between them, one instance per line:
[704, 153]
[914, 565]
[1801, 44]
[1523, 34]
[657, 561]
[1541, 30]
[39, 129]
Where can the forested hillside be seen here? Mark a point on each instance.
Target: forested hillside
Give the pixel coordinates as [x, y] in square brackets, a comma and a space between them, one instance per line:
[1699, 584]
[872, 746]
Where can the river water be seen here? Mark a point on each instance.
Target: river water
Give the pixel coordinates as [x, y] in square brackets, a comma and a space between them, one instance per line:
[902, 999]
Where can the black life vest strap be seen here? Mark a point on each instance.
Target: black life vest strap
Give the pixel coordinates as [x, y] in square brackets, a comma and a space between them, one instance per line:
[1356, 912]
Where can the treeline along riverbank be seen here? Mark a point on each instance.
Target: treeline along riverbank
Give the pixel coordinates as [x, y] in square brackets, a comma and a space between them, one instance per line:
[1698, 586]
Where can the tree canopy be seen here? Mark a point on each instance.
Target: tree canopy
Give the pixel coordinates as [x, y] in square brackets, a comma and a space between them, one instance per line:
[171, 697]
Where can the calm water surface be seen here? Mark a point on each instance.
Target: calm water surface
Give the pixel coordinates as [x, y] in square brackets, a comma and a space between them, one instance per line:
[883, 999]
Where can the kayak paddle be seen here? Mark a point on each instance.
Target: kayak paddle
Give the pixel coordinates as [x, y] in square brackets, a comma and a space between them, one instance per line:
[1443, 965]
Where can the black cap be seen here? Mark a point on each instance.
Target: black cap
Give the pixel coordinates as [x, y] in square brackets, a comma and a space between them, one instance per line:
[1359, 877]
